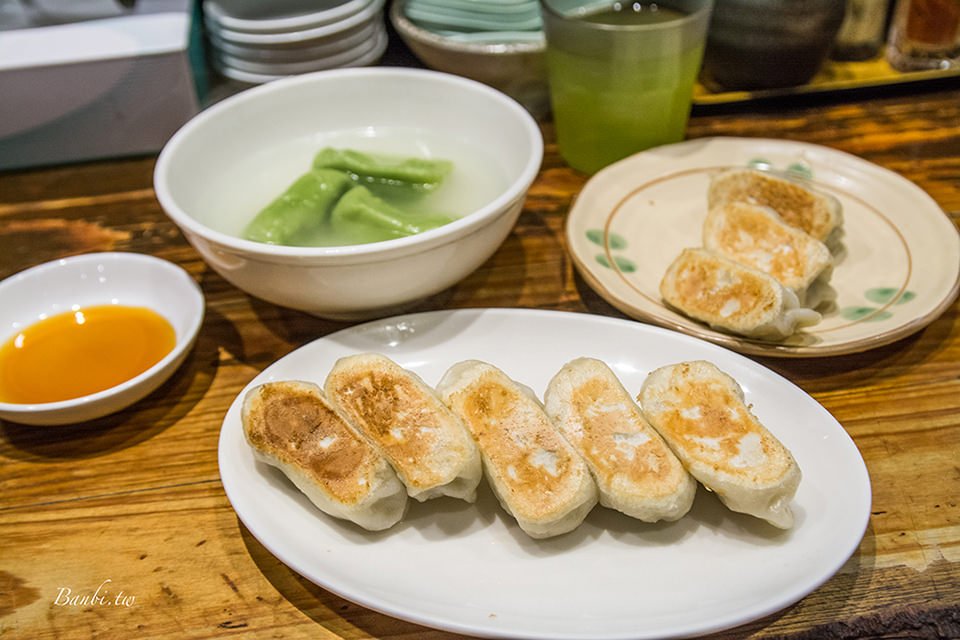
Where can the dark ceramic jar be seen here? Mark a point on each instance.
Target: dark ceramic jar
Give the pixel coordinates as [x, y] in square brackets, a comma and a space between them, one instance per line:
[766, 44]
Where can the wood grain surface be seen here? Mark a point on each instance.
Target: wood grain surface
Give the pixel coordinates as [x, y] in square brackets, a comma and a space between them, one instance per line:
[132, 504]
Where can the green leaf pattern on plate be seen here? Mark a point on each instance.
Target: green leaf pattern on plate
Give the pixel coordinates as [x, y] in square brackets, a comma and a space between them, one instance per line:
[866, 314]
[616, 243]
[595, 236]
[797, 169]
[623, 264]
[800, 170]
[880, 296]
[883, 295]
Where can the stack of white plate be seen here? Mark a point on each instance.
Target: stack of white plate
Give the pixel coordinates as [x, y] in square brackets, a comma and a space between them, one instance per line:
[255, 41]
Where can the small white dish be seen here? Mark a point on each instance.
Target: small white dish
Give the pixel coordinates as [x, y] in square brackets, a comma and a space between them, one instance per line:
[348, 39]
[366, 58]
[372, 11]
[613, 578]
[278, 17]
[365, 52]
[129, 279]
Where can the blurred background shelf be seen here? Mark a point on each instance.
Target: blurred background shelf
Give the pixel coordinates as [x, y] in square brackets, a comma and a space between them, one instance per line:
[834, 76]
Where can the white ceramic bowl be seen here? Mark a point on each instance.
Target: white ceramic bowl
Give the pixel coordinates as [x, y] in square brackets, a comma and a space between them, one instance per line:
[239, 154]
[518, 68]
[95, 279]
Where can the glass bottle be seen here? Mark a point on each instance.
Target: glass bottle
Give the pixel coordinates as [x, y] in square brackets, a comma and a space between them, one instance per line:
[925, 34]
[863, 30]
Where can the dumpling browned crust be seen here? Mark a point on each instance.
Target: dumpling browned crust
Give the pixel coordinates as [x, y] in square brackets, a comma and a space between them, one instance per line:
[731, 296]
[700, 411]
[756, 236]
[635, 471]
[535, 473]
[815, 213]
[407, 422]
[290, 425]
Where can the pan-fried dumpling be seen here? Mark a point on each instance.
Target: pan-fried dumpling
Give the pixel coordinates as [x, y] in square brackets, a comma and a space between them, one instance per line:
[289, 425]
[799, 204]
[406, 421]
[634, 469]
[702, 413]
[731, 296]
[756, 236]
[537, 476]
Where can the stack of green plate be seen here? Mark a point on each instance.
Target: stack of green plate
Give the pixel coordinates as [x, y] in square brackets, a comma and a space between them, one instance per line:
[478, 20]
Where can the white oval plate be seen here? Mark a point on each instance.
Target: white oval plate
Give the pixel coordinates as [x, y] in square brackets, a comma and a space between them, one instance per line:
[900, 268]
[81, 281]
[468, 568]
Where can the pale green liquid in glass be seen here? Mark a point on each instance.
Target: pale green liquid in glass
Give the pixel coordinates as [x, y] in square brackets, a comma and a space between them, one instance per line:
[609, 107]
[642, 14]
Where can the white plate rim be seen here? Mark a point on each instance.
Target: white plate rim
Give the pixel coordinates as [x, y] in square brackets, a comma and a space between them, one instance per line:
[236, 485]
[630, 306]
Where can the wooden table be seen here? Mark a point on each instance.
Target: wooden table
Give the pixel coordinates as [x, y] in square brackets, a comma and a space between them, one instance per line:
[133, 502]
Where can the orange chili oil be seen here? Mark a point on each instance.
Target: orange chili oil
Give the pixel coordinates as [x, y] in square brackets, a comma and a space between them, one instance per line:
[81, 352]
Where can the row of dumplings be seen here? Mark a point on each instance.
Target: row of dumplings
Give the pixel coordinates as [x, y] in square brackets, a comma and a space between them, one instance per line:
[376, 433]
[766, 260]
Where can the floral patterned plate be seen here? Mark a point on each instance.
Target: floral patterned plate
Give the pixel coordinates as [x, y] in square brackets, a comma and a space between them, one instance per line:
[898, 268]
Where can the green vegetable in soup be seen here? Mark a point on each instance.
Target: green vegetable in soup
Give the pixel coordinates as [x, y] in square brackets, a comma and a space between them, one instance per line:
[363, 217]
[350, 197]
[426, 173]
[305, 203]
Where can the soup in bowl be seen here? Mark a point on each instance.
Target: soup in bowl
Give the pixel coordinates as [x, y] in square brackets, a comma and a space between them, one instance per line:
[245, 155]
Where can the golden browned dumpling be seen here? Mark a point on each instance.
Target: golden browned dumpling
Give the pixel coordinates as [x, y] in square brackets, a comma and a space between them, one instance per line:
[732, 296]
[289, 425]
[700, 411]
[756, 236]
[813, 212]
[635, 471]
[406, 421]
[538, 477]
